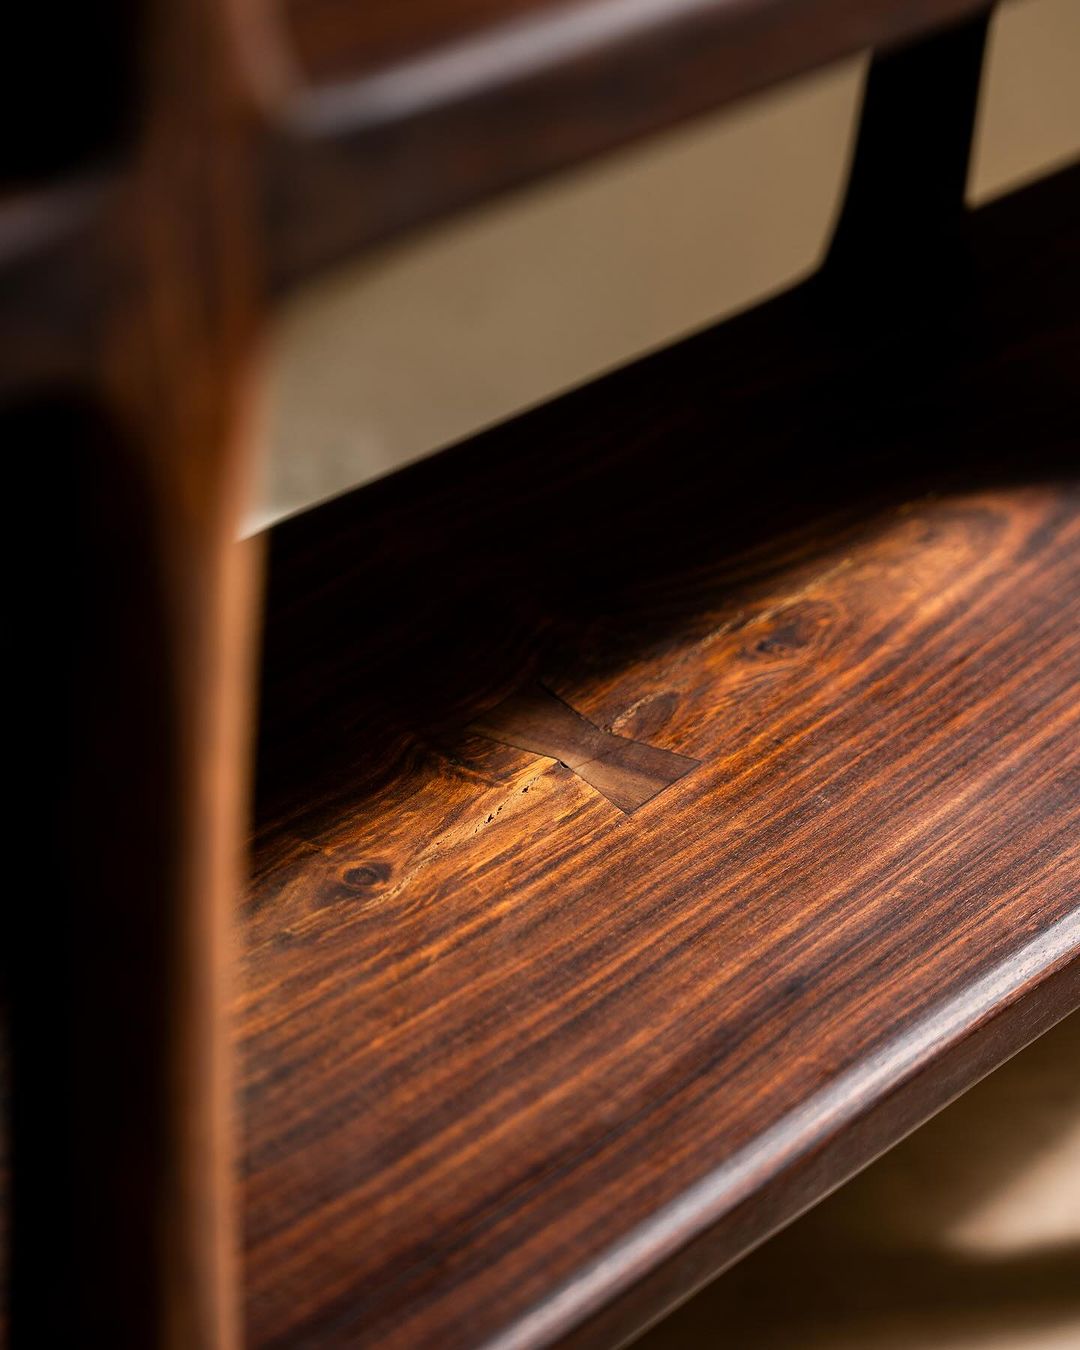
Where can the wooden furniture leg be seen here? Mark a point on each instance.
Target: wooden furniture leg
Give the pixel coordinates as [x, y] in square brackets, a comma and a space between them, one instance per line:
[122, 1129]
[905, 195]
[121, 1132]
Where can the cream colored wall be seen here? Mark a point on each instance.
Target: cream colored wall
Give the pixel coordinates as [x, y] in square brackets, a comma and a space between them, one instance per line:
[468, 323]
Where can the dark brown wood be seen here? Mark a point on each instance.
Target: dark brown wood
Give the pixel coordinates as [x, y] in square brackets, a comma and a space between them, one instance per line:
[334, 40]
[518, 1066]
[144, 282]
[627, 772]
[399, 114]
[904, 208]
[783, 1183]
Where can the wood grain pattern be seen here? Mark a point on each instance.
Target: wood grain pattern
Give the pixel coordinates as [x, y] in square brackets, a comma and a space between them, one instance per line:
[579, 1003]
[520, 1067]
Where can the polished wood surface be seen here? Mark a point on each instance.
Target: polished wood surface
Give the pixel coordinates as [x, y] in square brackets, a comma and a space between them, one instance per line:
[665, 803]
[520, 1066]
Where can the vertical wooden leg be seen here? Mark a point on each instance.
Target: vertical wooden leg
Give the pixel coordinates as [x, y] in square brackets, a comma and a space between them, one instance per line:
[905, 195]
[897, 290]
[122, 1225]
[122, 1140]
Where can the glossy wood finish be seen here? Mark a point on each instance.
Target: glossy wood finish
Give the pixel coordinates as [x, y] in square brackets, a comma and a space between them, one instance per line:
[519, 1066]
[628, 772]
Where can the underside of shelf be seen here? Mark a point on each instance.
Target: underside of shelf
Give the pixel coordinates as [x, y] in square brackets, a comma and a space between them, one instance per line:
[528, 1054]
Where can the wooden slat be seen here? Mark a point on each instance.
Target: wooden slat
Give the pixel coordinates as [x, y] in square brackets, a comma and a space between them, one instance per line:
[520, 1066]
[341, 40]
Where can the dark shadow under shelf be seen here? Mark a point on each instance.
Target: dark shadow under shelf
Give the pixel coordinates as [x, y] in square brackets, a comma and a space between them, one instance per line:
[516, 1061]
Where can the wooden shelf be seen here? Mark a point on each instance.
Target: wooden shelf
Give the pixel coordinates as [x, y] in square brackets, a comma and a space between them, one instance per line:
[519, 1063]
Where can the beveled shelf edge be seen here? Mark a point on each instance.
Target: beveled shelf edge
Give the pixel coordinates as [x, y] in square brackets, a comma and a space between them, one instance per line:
[852, 1122]
[512, 102]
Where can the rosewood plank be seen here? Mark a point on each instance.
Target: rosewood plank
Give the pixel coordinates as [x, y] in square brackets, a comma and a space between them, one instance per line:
[519, 1066]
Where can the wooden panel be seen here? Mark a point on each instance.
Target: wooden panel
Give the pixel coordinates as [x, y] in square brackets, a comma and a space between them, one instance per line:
[519, 1065]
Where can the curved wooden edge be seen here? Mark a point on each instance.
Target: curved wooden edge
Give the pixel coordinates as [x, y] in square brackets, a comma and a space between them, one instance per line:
[167, 365]
[843, 1129]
